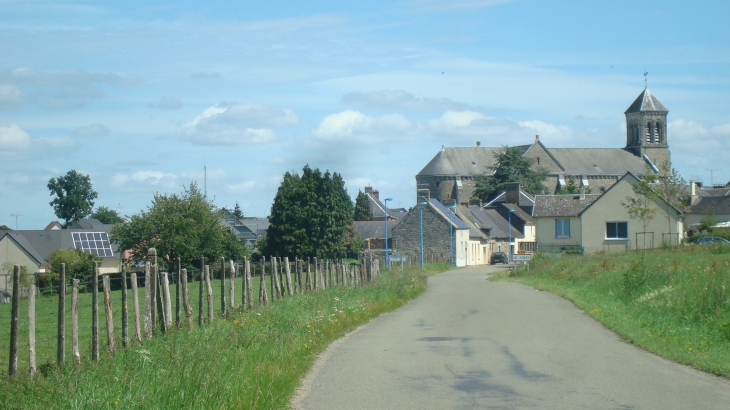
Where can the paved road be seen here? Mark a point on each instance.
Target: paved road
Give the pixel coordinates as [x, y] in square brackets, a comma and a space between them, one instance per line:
[469, 343]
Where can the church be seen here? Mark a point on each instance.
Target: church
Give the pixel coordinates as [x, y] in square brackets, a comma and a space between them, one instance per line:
[450, 174]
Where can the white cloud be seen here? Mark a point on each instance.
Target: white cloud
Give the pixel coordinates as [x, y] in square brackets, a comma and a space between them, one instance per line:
[13, 138]
[241, 187]
[723, 129]
[155, 178]
[170, 103]
[53, 142]
[17, 179]
[236, 124]
[356, 127]
[67, 89]
[93, 130]
[683, 130]
[402, 100]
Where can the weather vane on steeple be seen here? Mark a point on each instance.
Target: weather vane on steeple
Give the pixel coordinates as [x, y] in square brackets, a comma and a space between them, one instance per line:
[645, 74]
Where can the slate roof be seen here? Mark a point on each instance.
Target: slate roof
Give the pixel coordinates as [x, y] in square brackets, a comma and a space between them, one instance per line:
[520, 213]
[23, 243]
[91, 224]
[646, 102]
[711, 205]
[561, 205]
[598, 161]
[525, 199]
[45, 242]
[492, 220]
[374, 229]
[464, 161]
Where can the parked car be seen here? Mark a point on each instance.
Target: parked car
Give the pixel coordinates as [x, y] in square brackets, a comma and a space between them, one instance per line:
[499, 257]
[713, 240]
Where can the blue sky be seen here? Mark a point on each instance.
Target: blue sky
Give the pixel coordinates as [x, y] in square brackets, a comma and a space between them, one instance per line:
[141, 94]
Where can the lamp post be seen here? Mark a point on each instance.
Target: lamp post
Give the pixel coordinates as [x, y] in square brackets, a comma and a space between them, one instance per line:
[421, 209]
[387, 260]
[509, 222]
[451, 235]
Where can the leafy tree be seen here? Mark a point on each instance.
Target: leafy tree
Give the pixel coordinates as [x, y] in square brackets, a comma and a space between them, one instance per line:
[571, 187]
[186, 226]
[670, 185]
[74, 196]
[8, 268]
[107, 215]
[707, 223]
[511, 166]
[79, 264]
[310, 216]
[362, 208]
[5, 228]
[641, 206]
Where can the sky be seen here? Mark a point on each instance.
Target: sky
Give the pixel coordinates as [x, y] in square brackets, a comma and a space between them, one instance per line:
[143, 96]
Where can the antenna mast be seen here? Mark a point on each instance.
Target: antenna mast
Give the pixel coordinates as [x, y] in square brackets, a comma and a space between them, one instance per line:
[645, 74]
[16, 216]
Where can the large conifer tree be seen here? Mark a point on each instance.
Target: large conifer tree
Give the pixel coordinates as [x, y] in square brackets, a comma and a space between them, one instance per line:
[511, 166]
[310, 216]
[362, 208]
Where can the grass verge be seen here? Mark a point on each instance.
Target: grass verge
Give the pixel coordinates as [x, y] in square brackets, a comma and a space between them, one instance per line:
[251, 359]
[672, 302]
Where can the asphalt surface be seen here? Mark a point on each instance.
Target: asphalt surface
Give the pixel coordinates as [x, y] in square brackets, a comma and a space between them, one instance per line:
[468, 343]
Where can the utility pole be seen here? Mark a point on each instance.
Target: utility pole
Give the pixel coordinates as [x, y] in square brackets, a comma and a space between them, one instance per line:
[712, 179]
[16, 216]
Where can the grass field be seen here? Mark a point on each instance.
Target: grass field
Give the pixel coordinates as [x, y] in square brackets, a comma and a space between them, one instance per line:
[672, 302]
[251, 359]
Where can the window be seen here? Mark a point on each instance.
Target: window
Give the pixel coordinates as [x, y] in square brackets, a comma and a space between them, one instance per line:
[562, 228]
[617, 230]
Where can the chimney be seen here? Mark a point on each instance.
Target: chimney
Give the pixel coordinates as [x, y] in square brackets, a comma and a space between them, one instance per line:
[479, 143]
[368, 190]
[537, 137]
[582, 194]
[693, 195]
[448, 202]
[512, 193]
[423, 194]
[475, 201]
[376, 194]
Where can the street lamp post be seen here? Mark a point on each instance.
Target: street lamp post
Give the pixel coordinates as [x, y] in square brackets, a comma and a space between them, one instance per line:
[387, 260]
[451, 235]
[509, 222]
[421, 209]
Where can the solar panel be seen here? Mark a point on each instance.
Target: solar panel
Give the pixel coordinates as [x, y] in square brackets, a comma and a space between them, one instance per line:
[93, 242]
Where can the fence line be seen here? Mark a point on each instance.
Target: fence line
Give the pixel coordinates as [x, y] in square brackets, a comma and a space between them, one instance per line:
[288, 278]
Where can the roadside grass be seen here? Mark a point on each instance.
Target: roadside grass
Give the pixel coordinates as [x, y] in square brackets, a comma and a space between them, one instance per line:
[672, 302]
[250, 359]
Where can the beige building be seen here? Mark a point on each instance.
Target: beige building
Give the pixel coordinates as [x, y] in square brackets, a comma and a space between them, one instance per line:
[600, 223]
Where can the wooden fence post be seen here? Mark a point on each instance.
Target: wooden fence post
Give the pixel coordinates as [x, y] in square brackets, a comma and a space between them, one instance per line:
[316, 273]
[165, 281]
[95, 313]
[298, 268]
[263, 297]
[13, 362]
[147, 300]
[61, 340]
[275, 289]
[231, 285]
[309, 273]
[223, 286]
[200, 293]
[249, 287]
[135, 302]
[75, 322]
[125, 319]
[287, 270]
[31, 330]
[108, 311]
[178, 295]
[154, 302]
[209, 289]
[186, 297]
[159, 297]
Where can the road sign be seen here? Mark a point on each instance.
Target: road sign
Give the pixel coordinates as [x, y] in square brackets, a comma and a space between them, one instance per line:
[520, 251]
[522, 258]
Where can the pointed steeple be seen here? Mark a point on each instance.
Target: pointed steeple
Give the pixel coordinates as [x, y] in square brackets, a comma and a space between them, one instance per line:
[646, 102]
[646, 128]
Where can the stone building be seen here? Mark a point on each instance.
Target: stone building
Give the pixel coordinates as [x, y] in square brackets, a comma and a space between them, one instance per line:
[450, 174]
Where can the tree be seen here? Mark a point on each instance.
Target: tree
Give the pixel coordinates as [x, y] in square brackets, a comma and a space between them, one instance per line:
[310, 216]
[511, 166]
[362, 208]
[5, 228]
[107, 215]
[186, 226]
[237, 213]
[74, 196]
[641, 206]
[670, 185]
[571, 188]
[79, 264]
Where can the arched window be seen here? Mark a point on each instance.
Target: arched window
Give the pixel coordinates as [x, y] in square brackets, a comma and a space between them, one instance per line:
[648, 133]
[658, 135]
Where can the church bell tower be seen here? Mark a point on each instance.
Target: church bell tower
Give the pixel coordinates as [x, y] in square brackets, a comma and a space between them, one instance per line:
[646, 129]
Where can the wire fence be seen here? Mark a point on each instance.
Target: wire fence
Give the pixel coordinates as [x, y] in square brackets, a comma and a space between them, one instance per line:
[142, 305]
